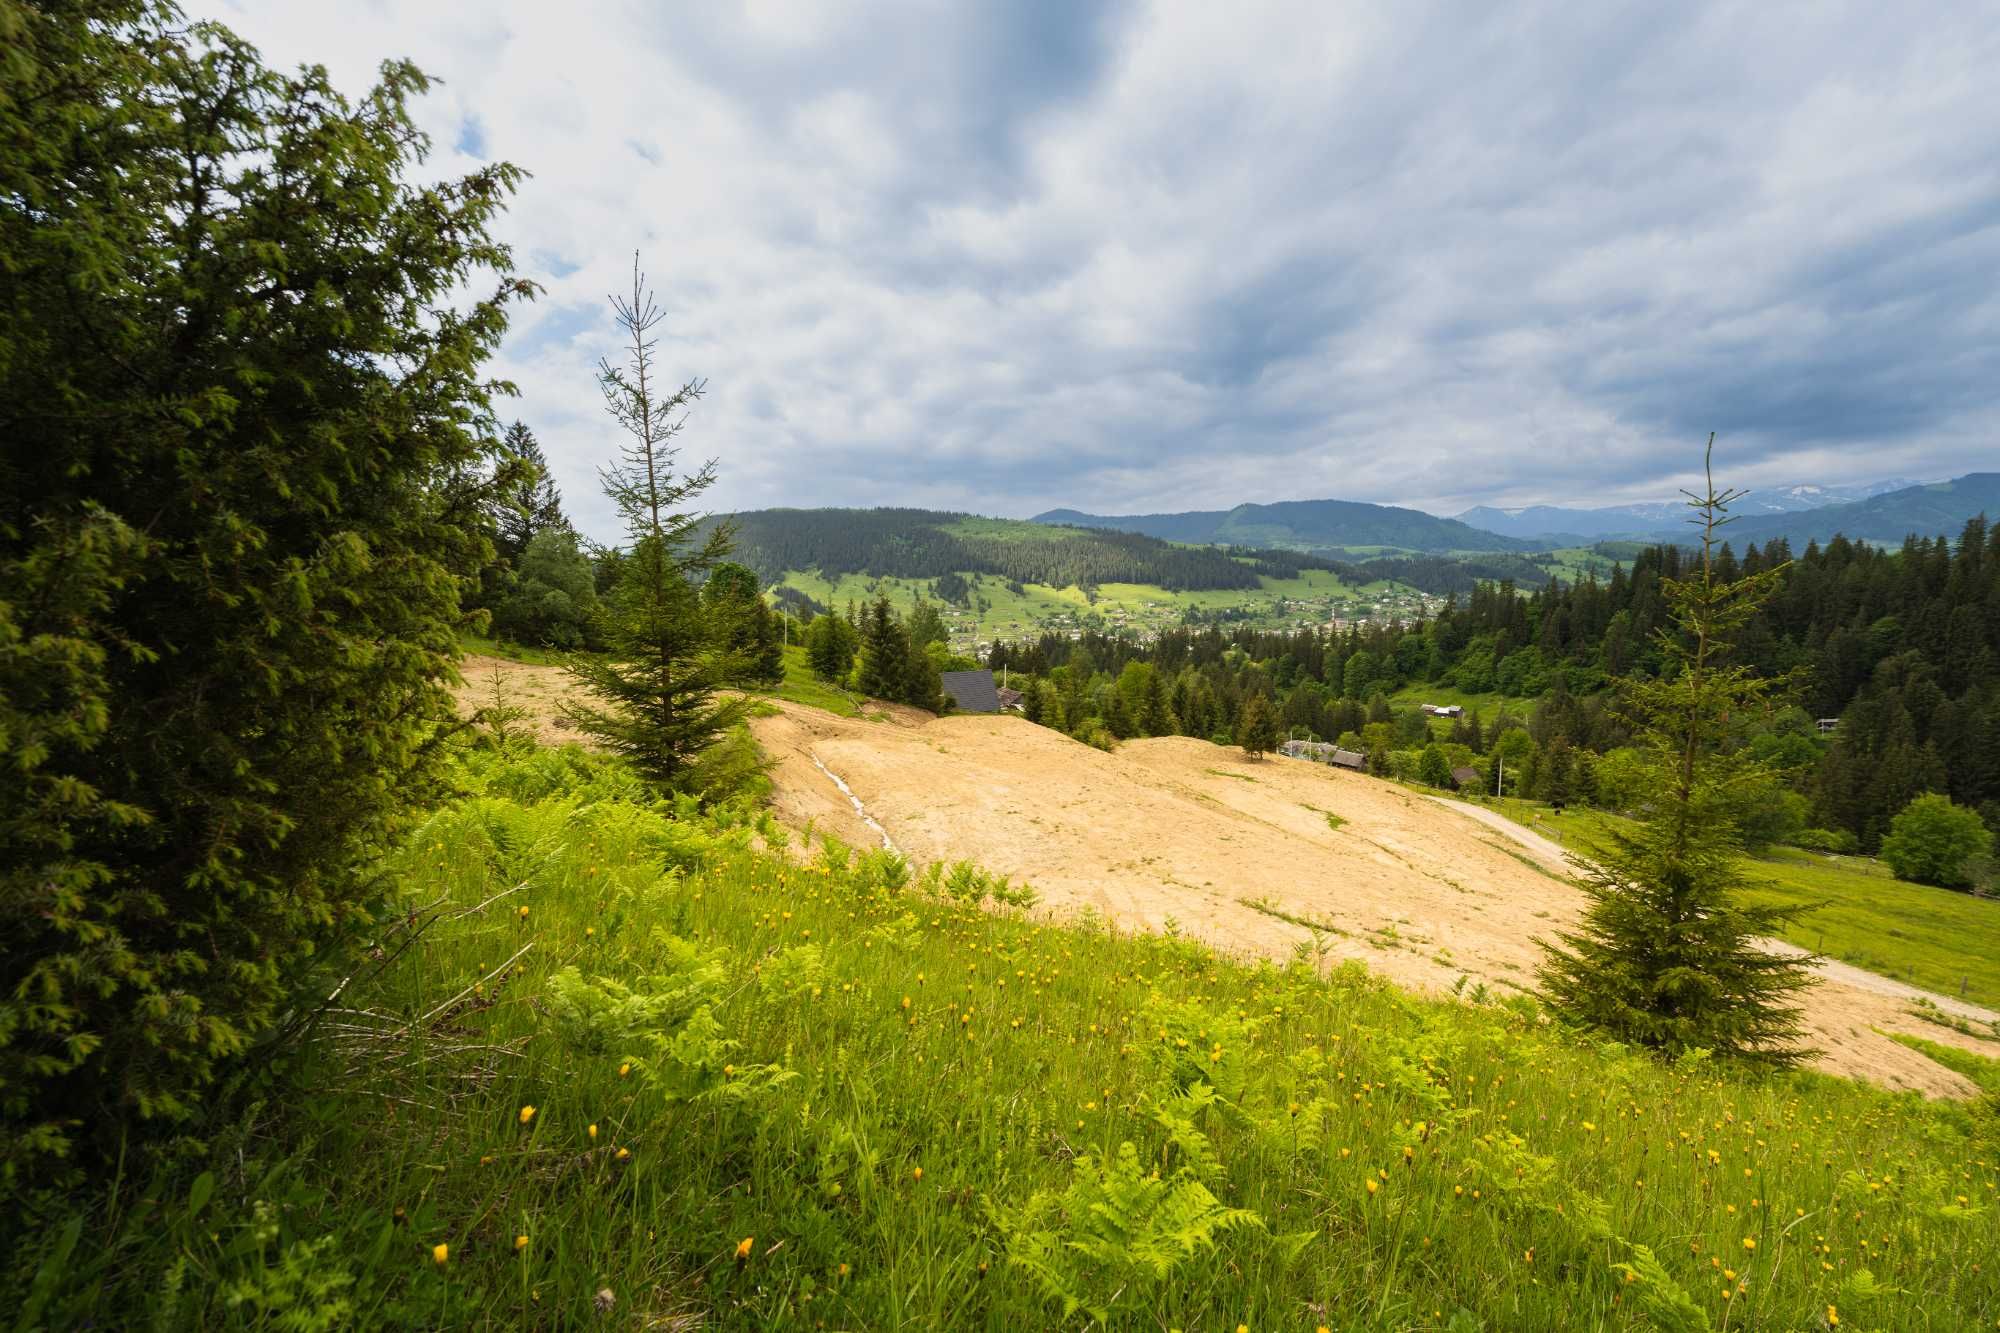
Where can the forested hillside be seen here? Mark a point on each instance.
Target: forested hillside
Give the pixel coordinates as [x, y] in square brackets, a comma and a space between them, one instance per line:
[1899, 650]
[927, 544]
[1308, 525]
[920, 543]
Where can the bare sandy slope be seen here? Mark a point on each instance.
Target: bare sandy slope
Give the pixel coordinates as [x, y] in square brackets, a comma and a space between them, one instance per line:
[1180, 831]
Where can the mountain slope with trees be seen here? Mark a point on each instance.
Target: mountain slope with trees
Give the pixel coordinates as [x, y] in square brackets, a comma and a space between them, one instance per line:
[1307, 525]
[928, 544]
[1886, 519]
[1572, 526]
[1897, 650]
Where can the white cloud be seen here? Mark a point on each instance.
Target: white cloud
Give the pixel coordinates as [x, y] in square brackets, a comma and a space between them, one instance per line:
[1179, 256]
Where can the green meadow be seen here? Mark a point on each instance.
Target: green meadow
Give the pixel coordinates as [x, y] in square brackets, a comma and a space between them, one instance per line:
[616, 1063]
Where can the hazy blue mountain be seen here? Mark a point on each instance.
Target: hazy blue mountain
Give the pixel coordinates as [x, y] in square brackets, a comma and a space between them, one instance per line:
[1303, 525]
[1557, 525]
[1938, 509]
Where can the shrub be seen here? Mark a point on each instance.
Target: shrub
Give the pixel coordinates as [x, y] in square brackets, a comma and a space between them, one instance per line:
[235, 515]
[1934, 841]
[1841, 841]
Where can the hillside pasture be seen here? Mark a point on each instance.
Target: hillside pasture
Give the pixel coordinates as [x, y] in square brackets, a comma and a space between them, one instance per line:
[639, 1067]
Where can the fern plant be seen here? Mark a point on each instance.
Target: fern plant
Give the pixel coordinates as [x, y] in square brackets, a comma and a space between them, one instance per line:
[1116, 1234]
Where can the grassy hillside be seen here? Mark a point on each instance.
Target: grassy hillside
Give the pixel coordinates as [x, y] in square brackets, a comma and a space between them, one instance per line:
[620, 1067]
[802, 686]
[1934, 938]
[994, 608]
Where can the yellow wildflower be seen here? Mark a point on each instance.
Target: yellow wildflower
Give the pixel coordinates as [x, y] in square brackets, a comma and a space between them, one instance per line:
[440, 1254]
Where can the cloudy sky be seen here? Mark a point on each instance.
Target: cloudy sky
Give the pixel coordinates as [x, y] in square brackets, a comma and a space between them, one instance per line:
[1135, 257]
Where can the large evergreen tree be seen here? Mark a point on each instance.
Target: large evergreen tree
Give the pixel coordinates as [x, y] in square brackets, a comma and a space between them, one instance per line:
[1256, 729]
[744, 624]
[885, 649]
[531, 503]
[1667, 956]
[656, 688]
[831, 643]
[242, 419]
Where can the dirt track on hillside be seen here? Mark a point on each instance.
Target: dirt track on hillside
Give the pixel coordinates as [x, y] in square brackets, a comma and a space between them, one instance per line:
[1239, 853]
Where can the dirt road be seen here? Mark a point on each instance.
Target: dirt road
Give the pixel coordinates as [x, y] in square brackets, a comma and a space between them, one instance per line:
[1254, 857]
[1552, 854]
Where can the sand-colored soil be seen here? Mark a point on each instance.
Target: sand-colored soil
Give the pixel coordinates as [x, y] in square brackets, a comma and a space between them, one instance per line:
[1239, 853]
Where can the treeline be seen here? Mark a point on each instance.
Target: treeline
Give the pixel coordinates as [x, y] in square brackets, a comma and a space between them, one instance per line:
[878, 653]
[1890, 660]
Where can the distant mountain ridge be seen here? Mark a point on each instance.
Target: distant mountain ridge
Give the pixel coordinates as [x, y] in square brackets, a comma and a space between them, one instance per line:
[1561, 525]
[1937, 509]
[1302, 525]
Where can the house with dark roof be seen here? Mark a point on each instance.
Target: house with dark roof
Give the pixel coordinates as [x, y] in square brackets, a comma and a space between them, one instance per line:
[972, 691]
[1468, 779]
[1010, 700]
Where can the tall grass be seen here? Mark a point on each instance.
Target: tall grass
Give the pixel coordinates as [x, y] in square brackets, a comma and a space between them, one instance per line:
[627, 1066]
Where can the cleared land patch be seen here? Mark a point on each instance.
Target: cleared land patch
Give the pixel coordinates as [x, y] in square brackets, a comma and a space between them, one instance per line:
[1166, 833]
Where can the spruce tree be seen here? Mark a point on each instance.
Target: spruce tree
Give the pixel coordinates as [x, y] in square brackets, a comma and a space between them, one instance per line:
[531, 503]
[1256, 729]
[830, 647]
[656, 686]
[744, 624]
[885, 650]
[1666, 956]
[1154, 718]
[246, 443]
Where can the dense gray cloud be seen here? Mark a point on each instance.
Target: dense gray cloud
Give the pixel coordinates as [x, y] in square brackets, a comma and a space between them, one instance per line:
[1177, 256]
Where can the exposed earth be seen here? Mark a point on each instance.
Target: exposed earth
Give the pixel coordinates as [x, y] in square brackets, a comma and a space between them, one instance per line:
[1255, 857]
